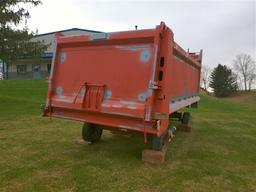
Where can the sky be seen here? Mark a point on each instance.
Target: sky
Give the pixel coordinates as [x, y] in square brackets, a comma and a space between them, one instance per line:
[222, 29]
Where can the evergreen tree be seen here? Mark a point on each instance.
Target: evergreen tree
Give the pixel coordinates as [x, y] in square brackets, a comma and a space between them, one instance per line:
[14, 38]
[223, 81]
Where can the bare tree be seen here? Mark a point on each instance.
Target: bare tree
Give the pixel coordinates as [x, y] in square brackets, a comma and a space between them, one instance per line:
[239, 82]
[205, 73]
[252, 78]
[245, 67]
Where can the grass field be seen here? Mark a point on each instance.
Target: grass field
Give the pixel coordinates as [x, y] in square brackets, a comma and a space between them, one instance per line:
[37, 154]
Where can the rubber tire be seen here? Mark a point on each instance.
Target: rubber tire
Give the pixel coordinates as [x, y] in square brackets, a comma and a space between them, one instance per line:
[158, 142]
[185, 118]
[91, 132]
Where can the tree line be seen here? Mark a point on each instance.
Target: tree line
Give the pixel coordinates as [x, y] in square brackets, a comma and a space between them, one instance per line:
[224, 81]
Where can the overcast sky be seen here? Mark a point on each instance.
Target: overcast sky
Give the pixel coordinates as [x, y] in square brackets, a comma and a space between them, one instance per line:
[221, 28]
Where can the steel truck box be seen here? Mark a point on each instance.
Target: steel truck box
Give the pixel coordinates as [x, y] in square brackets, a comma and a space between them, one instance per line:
[131, 80]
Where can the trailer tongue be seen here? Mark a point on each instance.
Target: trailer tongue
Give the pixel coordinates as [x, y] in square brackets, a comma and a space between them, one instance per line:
[131, 80]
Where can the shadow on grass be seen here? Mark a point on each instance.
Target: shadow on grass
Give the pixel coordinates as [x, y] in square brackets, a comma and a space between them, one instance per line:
[115, 147]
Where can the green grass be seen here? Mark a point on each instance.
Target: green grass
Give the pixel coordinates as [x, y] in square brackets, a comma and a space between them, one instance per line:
[38, 154]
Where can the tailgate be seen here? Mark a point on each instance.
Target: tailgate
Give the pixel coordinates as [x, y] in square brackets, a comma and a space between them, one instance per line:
[103, 73]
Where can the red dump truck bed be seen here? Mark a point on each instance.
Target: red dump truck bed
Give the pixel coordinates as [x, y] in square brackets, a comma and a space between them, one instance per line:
[125, 80]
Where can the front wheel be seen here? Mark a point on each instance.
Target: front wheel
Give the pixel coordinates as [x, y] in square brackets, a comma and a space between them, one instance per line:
[91, 132]
[186, 118]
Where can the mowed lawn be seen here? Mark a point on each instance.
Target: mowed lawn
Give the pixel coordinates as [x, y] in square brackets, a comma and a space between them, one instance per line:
[39, 154]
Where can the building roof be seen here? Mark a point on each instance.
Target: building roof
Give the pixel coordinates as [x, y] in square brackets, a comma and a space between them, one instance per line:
[72, 29]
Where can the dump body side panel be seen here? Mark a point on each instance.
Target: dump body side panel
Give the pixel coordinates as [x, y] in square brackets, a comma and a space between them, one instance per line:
[184, 80]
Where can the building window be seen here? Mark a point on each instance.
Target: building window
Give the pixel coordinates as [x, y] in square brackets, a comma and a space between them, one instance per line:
[36, 67]
[21, 69]
[49, 68]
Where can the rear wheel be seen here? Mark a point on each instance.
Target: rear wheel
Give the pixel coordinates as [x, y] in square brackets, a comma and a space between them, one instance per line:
[185, 118]
[91, 132]
[159, 142]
